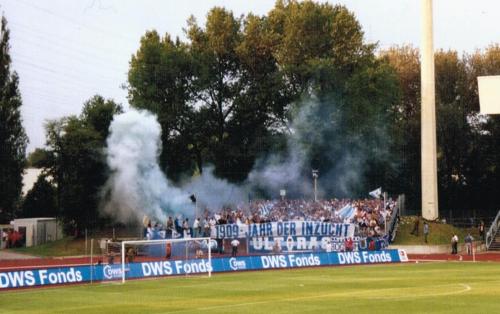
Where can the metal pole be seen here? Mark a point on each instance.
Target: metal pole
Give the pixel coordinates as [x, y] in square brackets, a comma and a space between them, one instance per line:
[209, 259]
[473, 252]
[428, 116]
[91, 260]
[315, 178]
[384, 209]
[123, 261]
[86, 244]
[315, 190]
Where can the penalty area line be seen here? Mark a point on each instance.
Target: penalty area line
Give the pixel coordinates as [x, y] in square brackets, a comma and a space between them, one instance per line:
[215, 307]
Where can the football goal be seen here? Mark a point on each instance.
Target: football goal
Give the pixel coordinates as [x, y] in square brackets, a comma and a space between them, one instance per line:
[173, 251]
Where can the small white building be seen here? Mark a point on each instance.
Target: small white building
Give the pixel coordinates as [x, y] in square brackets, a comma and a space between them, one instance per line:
[38, 231]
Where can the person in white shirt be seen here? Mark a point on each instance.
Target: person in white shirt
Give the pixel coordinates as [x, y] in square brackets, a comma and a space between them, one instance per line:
[328, 246]
[454, 244]
[234, 245]
[196, 227]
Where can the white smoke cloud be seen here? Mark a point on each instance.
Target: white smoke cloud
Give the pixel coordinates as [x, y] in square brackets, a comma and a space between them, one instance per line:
[291, 171]
[137, 186]
[214, 193]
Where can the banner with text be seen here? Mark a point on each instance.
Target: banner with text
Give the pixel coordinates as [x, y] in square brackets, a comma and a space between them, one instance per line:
[283, 229]
[78, 274]
[306, 243]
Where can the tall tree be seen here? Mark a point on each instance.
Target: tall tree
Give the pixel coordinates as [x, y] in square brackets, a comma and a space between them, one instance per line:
[13, 139]
[321, 51]
[160, 80]
[467, 146]
[483, 171]
[77, 163]
[40, 201]
[231, 91]
[405, 122]
[38, 158]
[453, 129]
[216, 97]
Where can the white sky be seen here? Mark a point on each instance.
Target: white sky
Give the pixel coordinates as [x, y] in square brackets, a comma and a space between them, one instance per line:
[65, 51]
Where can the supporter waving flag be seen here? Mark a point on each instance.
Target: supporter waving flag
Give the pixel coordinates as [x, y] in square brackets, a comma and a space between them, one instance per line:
[376, 193]
[347, 212]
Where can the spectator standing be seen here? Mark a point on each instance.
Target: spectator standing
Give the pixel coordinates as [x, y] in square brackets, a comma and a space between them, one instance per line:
[328, 246]
[111, 258]
[481, 230]
[186, 229]
[468, 244]
[349, 245]
[277, 246]
[454, 244]
[170, 227]
[130, 255]
[178, 227]
[197, 227]
[149, 232]
[426, 231]
[234, 245]
[206, 227]
[415, 226]
[146, 223]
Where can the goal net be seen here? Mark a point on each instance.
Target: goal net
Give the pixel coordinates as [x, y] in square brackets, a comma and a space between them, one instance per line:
[186, 256]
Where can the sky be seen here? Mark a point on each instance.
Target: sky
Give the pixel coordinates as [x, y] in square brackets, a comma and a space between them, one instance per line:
[66, 51]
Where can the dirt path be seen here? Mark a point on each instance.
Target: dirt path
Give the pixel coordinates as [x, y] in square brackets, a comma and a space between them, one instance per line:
[480, 257]
[10, 260]
[8, 256]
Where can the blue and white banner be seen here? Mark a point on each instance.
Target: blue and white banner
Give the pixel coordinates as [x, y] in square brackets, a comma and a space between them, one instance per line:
[283, 229]
[80, 274]
[43, 277]
[307, 243]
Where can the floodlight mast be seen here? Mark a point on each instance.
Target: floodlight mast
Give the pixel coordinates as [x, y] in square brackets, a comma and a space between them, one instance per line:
[428, 116]
[315, 174]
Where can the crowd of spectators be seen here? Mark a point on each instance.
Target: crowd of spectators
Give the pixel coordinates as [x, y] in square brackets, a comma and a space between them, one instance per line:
[368, 214]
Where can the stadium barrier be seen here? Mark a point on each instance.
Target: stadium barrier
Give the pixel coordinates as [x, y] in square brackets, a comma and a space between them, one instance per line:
[80, 274]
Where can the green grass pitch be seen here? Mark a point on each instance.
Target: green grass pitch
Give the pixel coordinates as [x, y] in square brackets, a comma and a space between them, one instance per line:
[452, 287]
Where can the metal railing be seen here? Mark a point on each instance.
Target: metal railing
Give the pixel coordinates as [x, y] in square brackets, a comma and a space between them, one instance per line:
[393, 221]
[492, 232]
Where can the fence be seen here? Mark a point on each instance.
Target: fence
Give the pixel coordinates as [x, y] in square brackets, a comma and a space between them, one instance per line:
[490, 235]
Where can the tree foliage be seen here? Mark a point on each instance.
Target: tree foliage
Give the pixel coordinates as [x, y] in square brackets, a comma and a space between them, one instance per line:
[13, 139]
[239, 82]
[77, 163]
[40, 201]
[38, 158]
[241, 88]
[467, 149]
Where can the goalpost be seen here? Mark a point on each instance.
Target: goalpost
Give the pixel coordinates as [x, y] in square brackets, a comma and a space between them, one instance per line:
[165, 250]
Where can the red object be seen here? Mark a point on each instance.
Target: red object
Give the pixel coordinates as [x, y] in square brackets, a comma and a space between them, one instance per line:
[349, 245]
[371, 245]
[168, 250]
